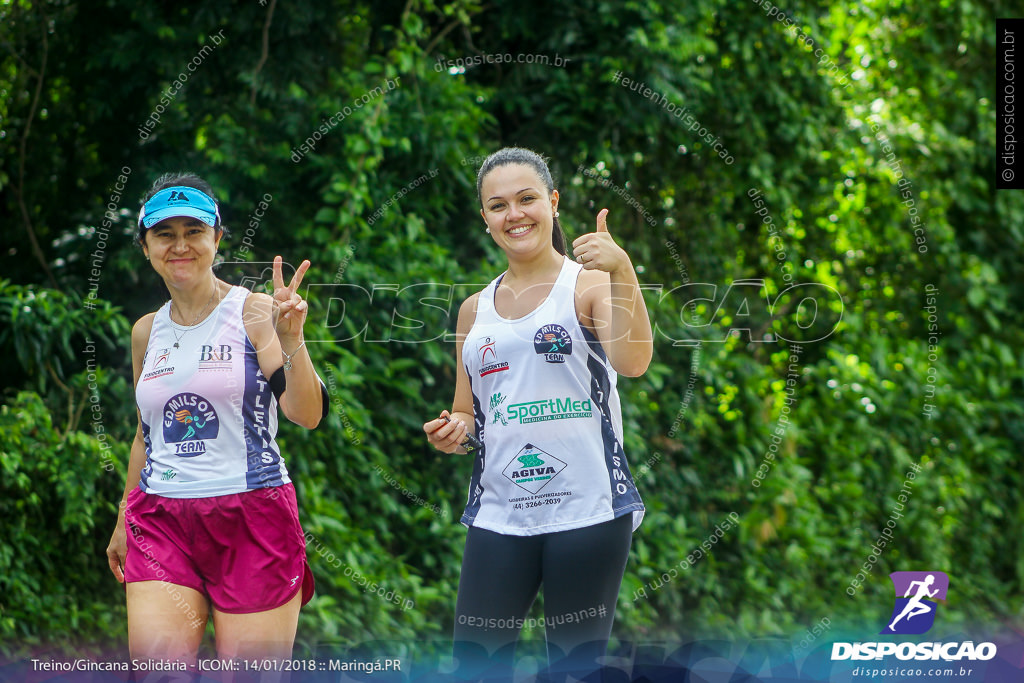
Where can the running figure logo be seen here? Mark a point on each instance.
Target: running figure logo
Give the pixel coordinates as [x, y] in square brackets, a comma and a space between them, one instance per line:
[192, 422]
[914, 612]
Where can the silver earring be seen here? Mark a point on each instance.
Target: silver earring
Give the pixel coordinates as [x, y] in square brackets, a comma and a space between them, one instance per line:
[556, 214]
[488, 231]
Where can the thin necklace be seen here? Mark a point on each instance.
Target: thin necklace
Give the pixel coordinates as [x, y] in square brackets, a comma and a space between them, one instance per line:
[177, 337]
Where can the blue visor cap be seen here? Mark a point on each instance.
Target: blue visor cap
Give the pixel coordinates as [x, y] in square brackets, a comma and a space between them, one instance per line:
[179, 201]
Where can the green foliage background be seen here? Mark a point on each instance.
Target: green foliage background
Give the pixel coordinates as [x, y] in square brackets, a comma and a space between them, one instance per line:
[77, 81]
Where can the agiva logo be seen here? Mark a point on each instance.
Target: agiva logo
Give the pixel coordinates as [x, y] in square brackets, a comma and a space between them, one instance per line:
[913, 614]
[532, 469]
[916, 592]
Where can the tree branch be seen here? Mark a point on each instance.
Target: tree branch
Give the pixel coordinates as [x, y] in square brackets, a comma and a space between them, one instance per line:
[266, 50]
[436, 39]
[19, 187]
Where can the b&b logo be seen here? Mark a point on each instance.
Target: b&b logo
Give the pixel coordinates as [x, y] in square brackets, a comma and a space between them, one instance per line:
[215, 357]
[914, 612]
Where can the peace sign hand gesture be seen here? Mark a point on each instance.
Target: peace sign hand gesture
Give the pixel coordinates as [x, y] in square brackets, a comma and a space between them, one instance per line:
[289, 308]
[598, 251]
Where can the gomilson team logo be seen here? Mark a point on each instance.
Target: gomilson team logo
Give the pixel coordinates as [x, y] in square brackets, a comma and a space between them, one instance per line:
[532, 469]
[916, 592]
[189, 419]
[553, 342]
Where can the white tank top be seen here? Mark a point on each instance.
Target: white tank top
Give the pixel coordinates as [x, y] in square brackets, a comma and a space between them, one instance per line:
[209, 417]
[547, 412]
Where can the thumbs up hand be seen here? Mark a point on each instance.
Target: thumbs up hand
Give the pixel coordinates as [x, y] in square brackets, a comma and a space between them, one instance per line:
[598, 251]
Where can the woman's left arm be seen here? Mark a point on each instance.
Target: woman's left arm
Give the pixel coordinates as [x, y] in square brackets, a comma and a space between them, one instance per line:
[274, 324]
[611, 301]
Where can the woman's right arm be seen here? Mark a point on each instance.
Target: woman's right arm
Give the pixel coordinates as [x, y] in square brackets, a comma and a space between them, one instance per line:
[448, 436]
[118, 547]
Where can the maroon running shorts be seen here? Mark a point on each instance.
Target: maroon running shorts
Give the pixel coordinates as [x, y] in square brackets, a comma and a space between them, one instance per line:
[245, 551]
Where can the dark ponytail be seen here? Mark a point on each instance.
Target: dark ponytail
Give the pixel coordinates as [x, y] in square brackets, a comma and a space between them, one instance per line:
[518, 155]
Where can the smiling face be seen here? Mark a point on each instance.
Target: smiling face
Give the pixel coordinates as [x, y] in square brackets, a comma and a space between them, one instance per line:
[181, 249]
[518, 209]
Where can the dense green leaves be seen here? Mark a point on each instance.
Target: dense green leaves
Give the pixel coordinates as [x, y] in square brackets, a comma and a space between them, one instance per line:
[856, 126]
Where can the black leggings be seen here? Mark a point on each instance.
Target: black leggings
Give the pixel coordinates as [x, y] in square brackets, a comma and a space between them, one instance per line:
[581, 571]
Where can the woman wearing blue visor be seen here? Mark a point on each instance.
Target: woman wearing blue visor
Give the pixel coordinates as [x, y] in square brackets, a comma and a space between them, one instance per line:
[208, 525]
